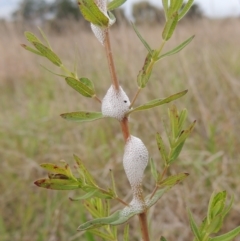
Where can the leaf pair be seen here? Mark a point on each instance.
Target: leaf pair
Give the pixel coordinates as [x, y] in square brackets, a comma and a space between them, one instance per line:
[176, 137]
[92, 12]
[61, 178]
[122, 216]
[84, 86]
[214, 220]
[155, 55]
[41, 49]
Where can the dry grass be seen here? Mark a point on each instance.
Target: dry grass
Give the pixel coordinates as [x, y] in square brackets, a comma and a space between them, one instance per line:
[31, 131]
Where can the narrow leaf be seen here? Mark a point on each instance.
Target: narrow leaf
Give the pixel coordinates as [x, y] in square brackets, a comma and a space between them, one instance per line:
[82, 116]
[126, 233]
[184, 135]
[227, 236]
[88, 83]
[80, 86]
[158, 102]
[170, 27]
[58, 184]
[161, 148]
[185, 9]
[115, 4]
[83, 171]
[181, 120]
[31, 37]
[142, 39]
[173, 180]
[215, 225]
[193, 226]
[58, 169]
[48, 53]
[177, 49]
[92, 13]
[153, 169]
[86, 196]
[165, 7]
[175, 153]
[145, 72]
[31, 50]
[173, 116]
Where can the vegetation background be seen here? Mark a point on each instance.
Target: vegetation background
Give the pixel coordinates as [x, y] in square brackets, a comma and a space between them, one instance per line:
[32, 132]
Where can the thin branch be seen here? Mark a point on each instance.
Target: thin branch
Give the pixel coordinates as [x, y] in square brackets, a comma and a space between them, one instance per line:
[97, 99]
[111, 65]
[135, 97]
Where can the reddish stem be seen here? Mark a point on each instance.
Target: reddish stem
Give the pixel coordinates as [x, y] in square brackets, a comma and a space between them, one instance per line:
[110, 61]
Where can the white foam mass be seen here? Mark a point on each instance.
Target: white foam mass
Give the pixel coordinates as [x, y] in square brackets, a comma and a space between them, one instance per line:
[115, 103]
[135, 160]
[100, 32]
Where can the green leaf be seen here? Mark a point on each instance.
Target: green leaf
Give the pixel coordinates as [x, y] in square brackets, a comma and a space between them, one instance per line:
[31, 37]
[163, 238]
[88, 83]
[126, 233]
[165, 7]
[82, 116]
[58, 184]
[215, 225]
[48, 53]
[170, 27]
[175, 153]
[81, 86]
[45, 37]
[184, 134]
[227, 209]
[181, 120]
[58, 170]
[83, 171]
[150, 201]
[173, 116]
[227, 236]
[158, 102]
[92, 13]
[86, 196]
[161, 148]
[145, 72]
[142, 39]
[177, 49]
[153, 169]
[122, 216]
[185, 9]
[177, 5]
[173, 180]
[31, 50]
[194, 227]
[115, 4]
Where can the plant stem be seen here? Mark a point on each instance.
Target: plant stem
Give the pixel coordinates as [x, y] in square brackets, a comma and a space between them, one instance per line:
[159, 181]
[144, 226]
[97, 99]
[135, 97]
[125, 128]
[110, 61]
[124, 125]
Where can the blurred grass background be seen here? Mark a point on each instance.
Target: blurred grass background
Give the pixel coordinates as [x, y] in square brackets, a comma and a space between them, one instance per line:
[32, 132]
